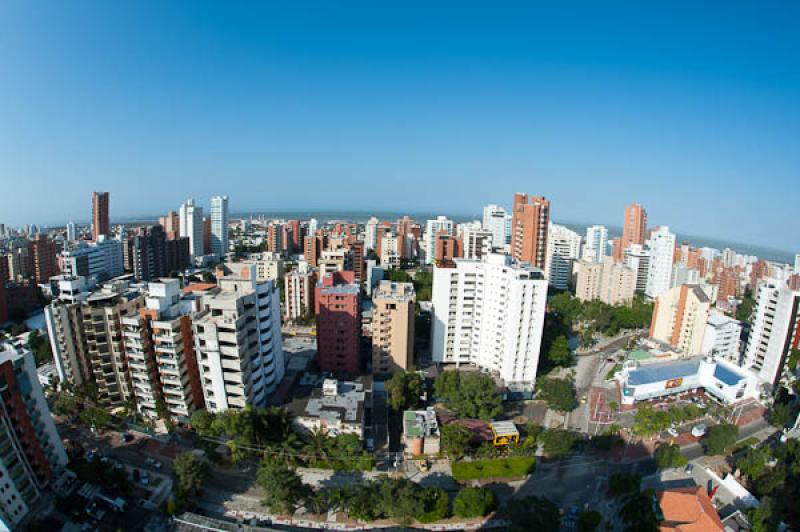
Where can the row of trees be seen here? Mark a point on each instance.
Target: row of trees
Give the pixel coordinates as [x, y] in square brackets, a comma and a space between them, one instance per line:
[649, 421]
[600, 317]
[773, 475]
[470, 395]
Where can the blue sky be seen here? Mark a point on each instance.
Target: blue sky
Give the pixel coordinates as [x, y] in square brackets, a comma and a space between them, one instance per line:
[692, 110]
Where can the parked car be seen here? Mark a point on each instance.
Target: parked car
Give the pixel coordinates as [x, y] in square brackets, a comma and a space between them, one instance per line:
[689, 468]
[699, 430]
[672, 432]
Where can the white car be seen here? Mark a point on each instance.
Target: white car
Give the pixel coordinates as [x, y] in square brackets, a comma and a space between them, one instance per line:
[672, 432]
[699, 430]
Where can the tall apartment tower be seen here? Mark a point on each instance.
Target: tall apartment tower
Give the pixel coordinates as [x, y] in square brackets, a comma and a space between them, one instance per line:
[679, 318]
[159, 344]
[238, 343]
[393, 327]
[371, 233]
[662, 253]
[100, 215]
[148, 253]
[634, 229]
[563, 249]
[31, 453]
[775, 331]
[338, 308]
[497, 221]
[191, 225]
[44, 258]
[596, 246]
[298, 291]
[72, 232]
[637, 258]
[219, 226]
[171, 224]
[490, 314]
[432, 229]
[529, 223]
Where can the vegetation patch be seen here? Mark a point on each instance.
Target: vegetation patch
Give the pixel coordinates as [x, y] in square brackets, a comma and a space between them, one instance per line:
[515, 466]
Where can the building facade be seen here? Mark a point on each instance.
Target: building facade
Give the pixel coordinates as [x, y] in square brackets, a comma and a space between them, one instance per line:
[191, 226]
[101, 224]
[679, 318]
[219, 226]
[662, 253]
[498, 222]
[432, 229]
[338, 310]
[563, 248]
[529, 226]
[393, 327]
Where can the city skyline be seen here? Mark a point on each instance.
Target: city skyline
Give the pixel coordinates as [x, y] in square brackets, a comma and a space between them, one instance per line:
[692, 117]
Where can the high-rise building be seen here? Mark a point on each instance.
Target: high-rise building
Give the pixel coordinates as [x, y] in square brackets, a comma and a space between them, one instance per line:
[679, 318]
[596, 246]
[191, 225]
[148, 253]
[100, 260]
[72, 232]
[447, 249]
[44, 256]
[775, 331]
[634, 229]
[392, 327]
[371, 233]
[100, 215]
[610, 282]
[219, 226]
[529, 225]
[3, 301]
[432, 229]
[389, 250]
[498, 222]
[563, 248]
[207, 235]
[159, 344]
[298, 291]
[178, 257]
[171, 224]
[722, 337]
[338, 309]
[238, 343]
[662, 252]
[637, 258]
[31, 452]
[490, 313]
[797, 263]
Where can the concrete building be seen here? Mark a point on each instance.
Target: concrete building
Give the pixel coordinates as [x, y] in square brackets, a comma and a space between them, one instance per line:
[101, 260]
[72, 232]
[390, 251]
[335, 260]
[339, 407]
[268, 265]
[682, 274]
[191, 226]
[475, 241]
[219, 226]
[64, 322]
[148, 253]
[596, 246]
[662, 252]
[529, 226]
[563, 248]
[634, 228]
[448, 248]
[238, 343]
[679, 318]
[31, 453]
[775, 331]
[490, 314]
[100, 215]
[44, 258]
[338, 309]
[498, 222]
[637, 258]
[298, 292]
[159, 344]
[432, 229]
[722, 337]
[393, 327]
[797, 263]
[607, 281]
[371, 233]
[171, 224]
[421, 432]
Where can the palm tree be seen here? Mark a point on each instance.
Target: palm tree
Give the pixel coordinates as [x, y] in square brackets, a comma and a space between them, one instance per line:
[286, 450]
[317, 445]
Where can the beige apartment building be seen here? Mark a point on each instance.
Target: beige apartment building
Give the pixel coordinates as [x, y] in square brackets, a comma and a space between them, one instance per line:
[679, 318]
[393, 327]
[610, 282]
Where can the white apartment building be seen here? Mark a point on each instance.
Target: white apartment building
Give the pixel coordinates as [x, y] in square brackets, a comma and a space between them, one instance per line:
[722, 337]
[662, 253]
[682, 274]
[476, 241]
[596, 245]
[490, 314]
[680, 315]
[100, 260]
[191, 225]
[268, 264]
[238, 344]
[432, 228]
[563, 248]
[610, 282]
[797, 263]
[638, 259]
[390, 252]
[497, 221]
[371, 233]
[775, 330]
[219, 225]
[298, 291]
[72, 232]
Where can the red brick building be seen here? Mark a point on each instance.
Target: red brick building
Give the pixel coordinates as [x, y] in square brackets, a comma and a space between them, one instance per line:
[100, 215]
[337, 305]
[529, 221]
[44, 256]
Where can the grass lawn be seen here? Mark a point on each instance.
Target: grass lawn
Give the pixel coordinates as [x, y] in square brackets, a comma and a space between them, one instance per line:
[515, 466]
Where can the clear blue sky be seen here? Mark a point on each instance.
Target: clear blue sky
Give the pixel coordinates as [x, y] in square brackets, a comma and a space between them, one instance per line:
[692, 109]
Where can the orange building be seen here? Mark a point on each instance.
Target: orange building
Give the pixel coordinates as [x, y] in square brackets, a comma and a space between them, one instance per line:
[529, 221]
[448, 247]
[687, 509]
[100, 215]
[634, 229]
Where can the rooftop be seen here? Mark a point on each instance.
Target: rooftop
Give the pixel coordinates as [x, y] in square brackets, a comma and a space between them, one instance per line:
[663, 372]
[346, 405]
[688, 509]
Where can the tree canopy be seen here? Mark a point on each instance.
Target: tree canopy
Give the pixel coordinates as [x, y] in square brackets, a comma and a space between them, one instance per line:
[190, 472]
[533, 513]
[719, 438]
[668, 455]
[559, 394]
[472, 395]
[473, 502]
[558, 442]
[404, 389]
[284, 490]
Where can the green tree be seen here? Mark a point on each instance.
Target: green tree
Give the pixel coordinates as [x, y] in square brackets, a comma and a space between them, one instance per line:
[472, 395]
[754, 462]
[455, 440]
[638, 512]
[745, 309]
[190, 473]
[66, 404]
[780, 415]
[559, 353]
[533, 513]
[559, 394]
[473, 502]
[284, 490]
[405, 389]
[719, 438]
[97, 417]
[558, 442]
[202, 421]
[648, 422]
[668, 455]
[624, 484]
[589, 521]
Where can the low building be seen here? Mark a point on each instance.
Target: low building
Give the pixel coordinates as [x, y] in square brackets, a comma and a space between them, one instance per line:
[722, 337]
[421, 432]
[687, 509]
[337, 408]
[723, 380]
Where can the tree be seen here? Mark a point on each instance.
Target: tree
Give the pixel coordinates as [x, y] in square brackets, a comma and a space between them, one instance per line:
[624, 484]
[533, 513]
[405, 389]
[202, 421]
[754, 462]
[40, 345]
[190, 472]
[638, 512]
[719, 438]
[648, 421]
[66, 404]
[473, 502]
[455, 440]
[780, 415]
[559, 353]
[559, 394]
[745, 309]
[558, 442]
[97, 417]
[283, 488]
[589, 521]
[668, 455]
[472, 395]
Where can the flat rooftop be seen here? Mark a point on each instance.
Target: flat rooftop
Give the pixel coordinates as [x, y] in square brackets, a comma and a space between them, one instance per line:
[663, 372]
